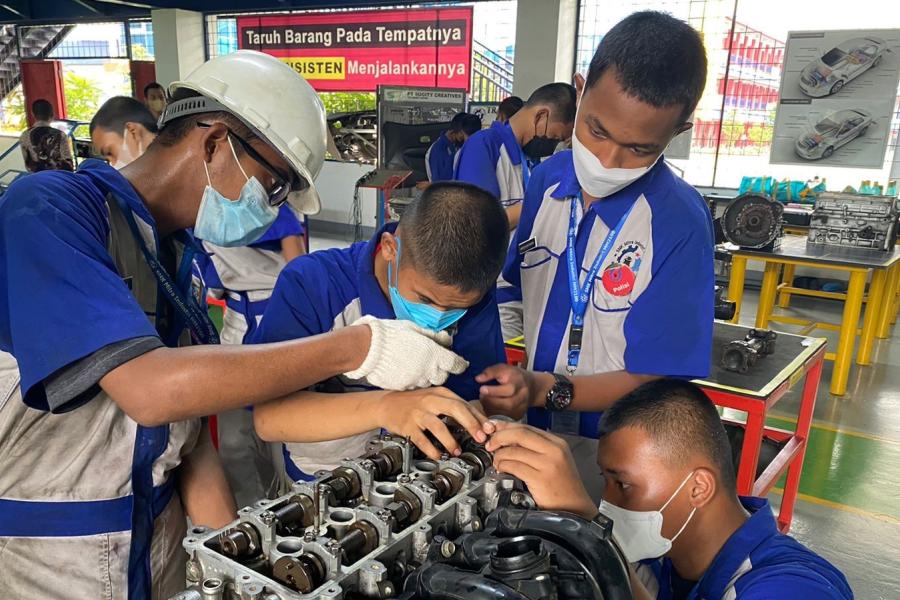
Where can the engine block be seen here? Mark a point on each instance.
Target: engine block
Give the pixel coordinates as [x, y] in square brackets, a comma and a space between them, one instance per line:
[854, 221]
[392, 524]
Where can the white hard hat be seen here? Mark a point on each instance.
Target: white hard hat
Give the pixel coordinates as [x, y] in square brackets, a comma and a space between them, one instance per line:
[278, 105]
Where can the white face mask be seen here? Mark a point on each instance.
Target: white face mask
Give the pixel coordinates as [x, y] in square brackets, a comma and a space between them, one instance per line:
[597, 180]
[639, 533]
[126, 156]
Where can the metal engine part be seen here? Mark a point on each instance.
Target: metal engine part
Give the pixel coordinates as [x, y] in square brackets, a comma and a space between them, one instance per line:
[753, 221]
[723, 308]
[394, 524]
[739, 356]
[854, 221]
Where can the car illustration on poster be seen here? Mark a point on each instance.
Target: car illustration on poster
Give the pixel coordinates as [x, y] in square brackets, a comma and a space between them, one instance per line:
[829, 73]
[833, 131]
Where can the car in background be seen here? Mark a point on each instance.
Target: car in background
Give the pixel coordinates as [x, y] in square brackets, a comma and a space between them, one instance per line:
[353, 137]
[829, 73]
[832, 132]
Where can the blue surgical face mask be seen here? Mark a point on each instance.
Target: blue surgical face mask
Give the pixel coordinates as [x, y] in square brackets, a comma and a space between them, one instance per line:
[422, 315]
[238, 222]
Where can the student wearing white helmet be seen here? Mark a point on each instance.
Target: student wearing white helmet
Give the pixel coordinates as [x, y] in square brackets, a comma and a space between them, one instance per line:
[101, 448]
[242, 276]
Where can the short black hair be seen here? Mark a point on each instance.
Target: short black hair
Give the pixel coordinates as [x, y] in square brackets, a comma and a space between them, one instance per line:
[42, 109]
[560, 97]
[510, 106]
[657, 58]
[680, 420]
[154, 86]
[457, 234]
[119, 110]
[465, 122]
[174, 131]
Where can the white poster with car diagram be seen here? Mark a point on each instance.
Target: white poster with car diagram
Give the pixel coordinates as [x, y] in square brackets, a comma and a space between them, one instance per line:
[838, 90]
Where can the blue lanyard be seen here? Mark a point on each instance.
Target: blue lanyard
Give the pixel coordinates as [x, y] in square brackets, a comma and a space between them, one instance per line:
[526, 175]
[202, 328]
[579, 296]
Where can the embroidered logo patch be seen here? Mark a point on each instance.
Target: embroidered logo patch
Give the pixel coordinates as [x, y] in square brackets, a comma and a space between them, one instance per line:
[619, 276]
[618, 279]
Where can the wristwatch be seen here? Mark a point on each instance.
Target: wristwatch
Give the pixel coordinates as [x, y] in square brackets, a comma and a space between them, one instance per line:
[560, 395]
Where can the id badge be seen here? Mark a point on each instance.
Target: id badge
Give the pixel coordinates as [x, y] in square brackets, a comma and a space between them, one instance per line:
[527, 246]
[565, 421]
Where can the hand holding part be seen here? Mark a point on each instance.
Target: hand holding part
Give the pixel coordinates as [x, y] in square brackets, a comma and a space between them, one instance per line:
[544, 463]
[403, 356]
[512, 394]
[413, 413]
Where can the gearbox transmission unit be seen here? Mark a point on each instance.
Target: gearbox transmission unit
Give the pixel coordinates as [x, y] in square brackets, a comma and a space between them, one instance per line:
[393, 524]
[753, 221]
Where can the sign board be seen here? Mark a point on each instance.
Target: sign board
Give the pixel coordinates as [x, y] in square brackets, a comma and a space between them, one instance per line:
[360, 50]
[486, 111]
[836, 102]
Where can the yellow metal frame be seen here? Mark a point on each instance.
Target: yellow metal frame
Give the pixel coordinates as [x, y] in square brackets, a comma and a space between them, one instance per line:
[796, 230]
[882, 305]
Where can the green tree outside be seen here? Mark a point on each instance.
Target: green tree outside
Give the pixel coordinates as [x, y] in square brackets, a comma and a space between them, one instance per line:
[344, 102]
[82, 97]
[82, 102]
[140, 52]
[13, 112]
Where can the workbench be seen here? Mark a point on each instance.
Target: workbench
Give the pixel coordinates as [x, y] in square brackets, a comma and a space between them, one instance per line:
[780, 265]
[796, 358]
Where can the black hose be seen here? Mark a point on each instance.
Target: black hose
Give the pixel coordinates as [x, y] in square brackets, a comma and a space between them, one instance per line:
[443, 582]
[586, 540]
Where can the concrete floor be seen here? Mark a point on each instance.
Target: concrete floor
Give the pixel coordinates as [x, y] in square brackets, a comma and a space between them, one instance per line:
[849, 504]
[849, 509]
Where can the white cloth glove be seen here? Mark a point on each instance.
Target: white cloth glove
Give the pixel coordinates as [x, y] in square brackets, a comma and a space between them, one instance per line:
[404, 356]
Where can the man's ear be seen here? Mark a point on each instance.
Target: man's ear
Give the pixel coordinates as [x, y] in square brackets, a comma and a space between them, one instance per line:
[213, 137]
[702, 487]
[133, 129]
[683, 127]
[542, 115]
[388, 247]
[578, 82]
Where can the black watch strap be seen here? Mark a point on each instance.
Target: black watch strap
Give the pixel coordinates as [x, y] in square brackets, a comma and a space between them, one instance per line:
[561, 394]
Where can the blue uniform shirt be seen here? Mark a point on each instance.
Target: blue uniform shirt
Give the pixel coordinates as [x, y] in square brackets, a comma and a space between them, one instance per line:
[61, 296]
[493, 160]
[756, 563]
[651, 307]
[330, 289]
[285, 225]
[245, 275]
[440, 159]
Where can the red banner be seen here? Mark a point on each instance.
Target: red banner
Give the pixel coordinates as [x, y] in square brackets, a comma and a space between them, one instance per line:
[358, 51]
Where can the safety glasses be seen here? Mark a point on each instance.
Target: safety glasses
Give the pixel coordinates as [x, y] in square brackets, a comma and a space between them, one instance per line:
[281, 188]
